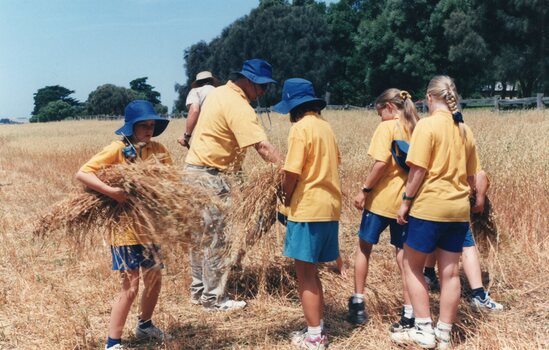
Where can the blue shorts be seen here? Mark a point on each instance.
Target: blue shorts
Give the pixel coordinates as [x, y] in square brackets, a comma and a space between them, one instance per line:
[425, 236]
[132, 257]
[372, 225]
[469, 239]
[312, 242]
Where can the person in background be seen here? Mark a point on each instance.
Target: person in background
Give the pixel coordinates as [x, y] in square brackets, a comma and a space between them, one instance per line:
[204, 83]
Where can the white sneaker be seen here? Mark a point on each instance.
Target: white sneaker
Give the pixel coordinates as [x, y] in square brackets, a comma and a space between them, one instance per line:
[485, 304]
[305, 341]
[298, 336]
[151, 332]
[424, 339]
[227, 305]
[115, 347]
[443, 339]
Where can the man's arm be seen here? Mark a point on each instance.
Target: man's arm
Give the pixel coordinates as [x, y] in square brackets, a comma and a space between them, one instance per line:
[268, 152]
[192, 119]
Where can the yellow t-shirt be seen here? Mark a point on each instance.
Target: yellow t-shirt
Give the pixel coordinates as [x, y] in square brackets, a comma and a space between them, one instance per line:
[111, 155]
[313, 154]
[437, 146]
[386, 195]
[227, 125]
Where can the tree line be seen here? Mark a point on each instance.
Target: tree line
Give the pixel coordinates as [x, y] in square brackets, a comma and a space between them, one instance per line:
[52, 103]
[355, 49]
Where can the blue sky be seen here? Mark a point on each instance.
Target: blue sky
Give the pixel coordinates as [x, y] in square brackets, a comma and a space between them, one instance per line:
[81, 44]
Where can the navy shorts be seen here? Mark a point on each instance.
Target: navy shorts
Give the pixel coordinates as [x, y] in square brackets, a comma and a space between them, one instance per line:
[133, 257]
[469, 239]
[312, 242]
[372, 225]
[425, 236]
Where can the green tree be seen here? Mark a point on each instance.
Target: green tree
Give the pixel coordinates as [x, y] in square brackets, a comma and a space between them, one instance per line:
[48, 94]
[56, 110]
[295, 39]
[140, 85]
[517, 33]
[110, 99]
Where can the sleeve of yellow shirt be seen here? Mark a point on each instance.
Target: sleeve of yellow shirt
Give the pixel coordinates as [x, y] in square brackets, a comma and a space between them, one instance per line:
[297, 152]
[245, 126]
[420, 150]
[108, 156]
[380, 145]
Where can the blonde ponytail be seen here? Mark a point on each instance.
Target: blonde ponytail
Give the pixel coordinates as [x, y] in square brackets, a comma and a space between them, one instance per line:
[403, 101]
[442, 87]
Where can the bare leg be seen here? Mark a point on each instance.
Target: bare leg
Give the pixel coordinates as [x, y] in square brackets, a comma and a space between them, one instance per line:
[431, 260]
[417, 288]
[399, 258]
[152, 280]
[450, 288]
[471, 267]
[130, 287]
[362, 260]
[310, 292]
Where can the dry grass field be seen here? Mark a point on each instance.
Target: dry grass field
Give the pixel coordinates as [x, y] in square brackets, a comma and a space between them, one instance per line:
[56, 294]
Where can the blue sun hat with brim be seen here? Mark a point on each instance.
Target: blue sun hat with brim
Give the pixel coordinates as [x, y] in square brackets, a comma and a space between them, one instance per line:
[257, 71]
[138, 111]
[295, 92]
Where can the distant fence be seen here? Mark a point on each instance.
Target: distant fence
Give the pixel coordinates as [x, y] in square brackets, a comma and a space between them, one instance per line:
[497, 103]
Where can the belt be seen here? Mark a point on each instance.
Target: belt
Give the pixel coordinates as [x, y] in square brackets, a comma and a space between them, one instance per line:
[209, 169]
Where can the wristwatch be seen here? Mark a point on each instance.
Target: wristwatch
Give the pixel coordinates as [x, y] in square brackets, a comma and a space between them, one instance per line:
[187, 136]
[406, 198]
[366, 189]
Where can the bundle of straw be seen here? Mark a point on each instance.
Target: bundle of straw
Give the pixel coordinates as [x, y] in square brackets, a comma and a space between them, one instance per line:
[484, 224]
[160, 208]
[254, 207]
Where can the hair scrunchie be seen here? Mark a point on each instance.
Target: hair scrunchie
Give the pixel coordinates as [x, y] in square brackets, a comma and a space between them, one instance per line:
[405, 94]
[458, 117]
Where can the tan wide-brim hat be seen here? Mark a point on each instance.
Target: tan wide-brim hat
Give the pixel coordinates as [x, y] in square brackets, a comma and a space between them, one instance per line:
[204, 75]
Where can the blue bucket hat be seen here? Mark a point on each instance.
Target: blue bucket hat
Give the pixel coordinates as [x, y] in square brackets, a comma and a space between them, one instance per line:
[257, 71]
[138, 111]
[295, 92]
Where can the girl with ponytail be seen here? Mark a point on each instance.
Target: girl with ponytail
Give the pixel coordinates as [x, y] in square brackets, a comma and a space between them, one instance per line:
[443, 161]
[380, 195]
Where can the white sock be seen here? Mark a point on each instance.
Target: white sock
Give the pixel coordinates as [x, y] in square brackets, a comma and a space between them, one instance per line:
[358, 298]
[408, 311]
[424, 324]
[314, 331]
[444, 327]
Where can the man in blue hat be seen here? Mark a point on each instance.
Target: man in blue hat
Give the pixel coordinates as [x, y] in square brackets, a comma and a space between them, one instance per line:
[227, 127]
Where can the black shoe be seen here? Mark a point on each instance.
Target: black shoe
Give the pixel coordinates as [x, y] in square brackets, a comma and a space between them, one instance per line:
[432, 282]
[357, 313]
[403, 325]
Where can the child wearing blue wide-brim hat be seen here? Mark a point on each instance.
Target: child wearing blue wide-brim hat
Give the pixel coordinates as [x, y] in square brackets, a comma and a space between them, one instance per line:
[312, 196]
[130, 255]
